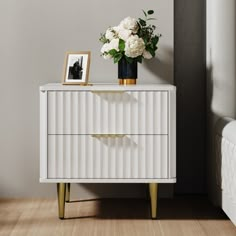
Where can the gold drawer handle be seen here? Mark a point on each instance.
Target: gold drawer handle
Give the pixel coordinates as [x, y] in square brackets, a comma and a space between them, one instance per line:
[108, 135]
[107, 91]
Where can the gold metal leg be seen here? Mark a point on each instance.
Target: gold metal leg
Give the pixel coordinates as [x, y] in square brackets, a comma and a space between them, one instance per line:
[67, 192]
[61, 190]
[153, 189]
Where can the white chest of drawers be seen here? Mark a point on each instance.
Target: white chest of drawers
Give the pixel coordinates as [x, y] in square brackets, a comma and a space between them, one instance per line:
[107, 134]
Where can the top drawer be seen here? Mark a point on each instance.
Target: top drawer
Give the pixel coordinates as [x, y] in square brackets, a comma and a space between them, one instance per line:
[104, 112]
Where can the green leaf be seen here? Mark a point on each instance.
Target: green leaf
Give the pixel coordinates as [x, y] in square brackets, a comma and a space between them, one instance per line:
[113, 52]
[103, 39]
[155, 40]
[121, 45]
[142, 22]
[151, 19]
[129, 59]
[117, 57]
[139, 59]
[144, 13]
[152, 52]
[150, 12]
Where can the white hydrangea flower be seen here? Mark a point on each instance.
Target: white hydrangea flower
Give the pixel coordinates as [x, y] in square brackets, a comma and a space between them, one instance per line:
[106, 56]
[124, 33]
[134, 46]
[114, 44]
[105, 48]
[147, 54]
[116, 29]
[129, 23]
[110, 34]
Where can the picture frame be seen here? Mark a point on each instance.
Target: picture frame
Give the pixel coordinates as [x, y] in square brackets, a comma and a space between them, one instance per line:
[76, 68]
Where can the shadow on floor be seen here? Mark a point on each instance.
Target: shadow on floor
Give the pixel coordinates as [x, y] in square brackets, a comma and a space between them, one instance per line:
[177, 208]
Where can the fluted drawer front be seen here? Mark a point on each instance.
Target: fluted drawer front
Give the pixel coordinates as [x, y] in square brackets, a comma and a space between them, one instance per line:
[86, 112]
[106, 156]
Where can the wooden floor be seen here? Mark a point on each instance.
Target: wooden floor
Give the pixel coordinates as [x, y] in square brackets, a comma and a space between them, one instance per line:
[177, 217]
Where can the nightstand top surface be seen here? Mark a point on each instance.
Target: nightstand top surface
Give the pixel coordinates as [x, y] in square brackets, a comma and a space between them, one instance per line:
[107, 87]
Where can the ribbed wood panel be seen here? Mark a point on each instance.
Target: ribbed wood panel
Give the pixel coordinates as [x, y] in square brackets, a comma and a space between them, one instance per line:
[129, 112]
[84, 156]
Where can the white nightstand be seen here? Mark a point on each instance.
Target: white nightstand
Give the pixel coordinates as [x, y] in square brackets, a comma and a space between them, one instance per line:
[107, 134]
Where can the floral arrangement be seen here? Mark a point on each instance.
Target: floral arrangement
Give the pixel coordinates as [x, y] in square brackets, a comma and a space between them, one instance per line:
[132, 39]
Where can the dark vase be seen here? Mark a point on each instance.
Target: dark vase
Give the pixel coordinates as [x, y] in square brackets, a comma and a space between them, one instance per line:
[127, 70]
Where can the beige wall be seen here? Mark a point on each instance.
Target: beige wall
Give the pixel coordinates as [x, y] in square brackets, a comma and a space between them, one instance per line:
[221, 73]
[34, 37]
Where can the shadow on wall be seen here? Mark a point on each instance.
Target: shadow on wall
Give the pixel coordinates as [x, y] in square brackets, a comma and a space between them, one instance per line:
[212, 118]
[162, 68]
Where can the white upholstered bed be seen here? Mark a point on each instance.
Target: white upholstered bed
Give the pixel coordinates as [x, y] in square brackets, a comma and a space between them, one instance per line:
[225, 143]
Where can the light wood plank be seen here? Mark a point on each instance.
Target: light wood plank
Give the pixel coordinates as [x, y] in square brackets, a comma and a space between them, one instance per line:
[114, 217]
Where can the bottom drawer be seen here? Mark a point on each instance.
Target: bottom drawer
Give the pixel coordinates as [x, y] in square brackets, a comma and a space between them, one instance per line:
[107, 157]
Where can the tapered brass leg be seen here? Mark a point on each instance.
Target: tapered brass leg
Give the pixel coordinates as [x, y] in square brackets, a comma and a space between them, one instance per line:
[61, 190]
[153, 188]
[67, 192]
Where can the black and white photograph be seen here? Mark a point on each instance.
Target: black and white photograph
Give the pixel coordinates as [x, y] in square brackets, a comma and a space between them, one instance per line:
[76, 69]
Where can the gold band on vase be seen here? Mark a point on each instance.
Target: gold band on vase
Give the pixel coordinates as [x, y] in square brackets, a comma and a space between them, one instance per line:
[127, 81]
